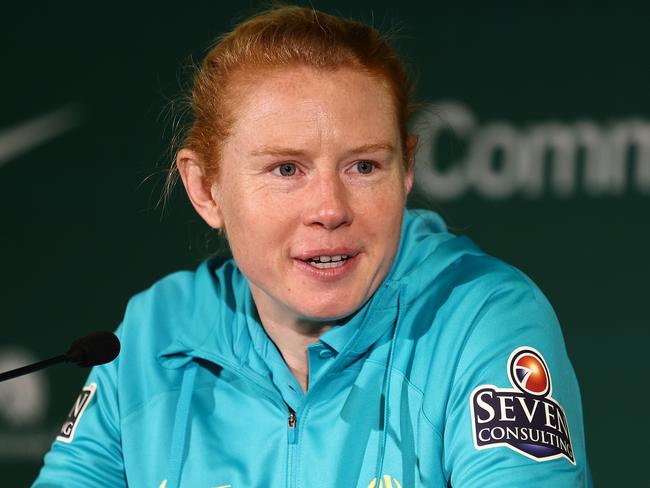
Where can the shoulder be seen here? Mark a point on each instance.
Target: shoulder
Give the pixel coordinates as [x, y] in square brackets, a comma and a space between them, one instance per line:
[168, 301]
[495, 292]
[484, 302]
[466, 305]
[176, 311]
[433, 264]
[182, 289]
[483, 279]
[157, 316]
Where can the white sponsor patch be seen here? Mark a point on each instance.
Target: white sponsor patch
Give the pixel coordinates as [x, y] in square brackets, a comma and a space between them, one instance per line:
[526, 418]
[70, 425]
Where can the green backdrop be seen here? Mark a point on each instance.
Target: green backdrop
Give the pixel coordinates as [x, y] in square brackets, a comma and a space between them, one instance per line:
[537, 147]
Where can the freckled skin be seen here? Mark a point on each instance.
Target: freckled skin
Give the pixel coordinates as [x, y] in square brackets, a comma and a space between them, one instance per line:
[320, 117]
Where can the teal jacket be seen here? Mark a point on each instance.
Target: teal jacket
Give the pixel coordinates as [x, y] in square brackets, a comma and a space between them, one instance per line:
[454, 373]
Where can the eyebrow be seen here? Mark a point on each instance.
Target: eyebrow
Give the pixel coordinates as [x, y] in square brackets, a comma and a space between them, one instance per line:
[288, 151]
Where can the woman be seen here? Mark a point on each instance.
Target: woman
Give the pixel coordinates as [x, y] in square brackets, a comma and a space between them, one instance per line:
[350, 342]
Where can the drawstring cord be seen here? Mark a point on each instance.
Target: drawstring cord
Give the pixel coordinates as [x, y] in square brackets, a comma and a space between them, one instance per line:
[455, 248]
[386, 403]
[181, 426]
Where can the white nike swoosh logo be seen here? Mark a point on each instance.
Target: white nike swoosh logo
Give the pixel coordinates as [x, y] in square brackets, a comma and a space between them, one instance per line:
[23, 137]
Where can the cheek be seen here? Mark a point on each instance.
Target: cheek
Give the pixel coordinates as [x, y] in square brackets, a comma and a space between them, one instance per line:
[386, 204]
[255, 224]
[381, 214]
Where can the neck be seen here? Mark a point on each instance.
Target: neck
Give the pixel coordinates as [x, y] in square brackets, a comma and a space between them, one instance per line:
[292, 342]
[291, 335]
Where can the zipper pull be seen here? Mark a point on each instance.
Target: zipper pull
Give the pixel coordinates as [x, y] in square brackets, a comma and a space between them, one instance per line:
[292, 421]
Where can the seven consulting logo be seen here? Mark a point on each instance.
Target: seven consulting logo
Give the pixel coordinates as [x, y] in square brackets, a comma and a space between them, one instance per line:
[527, 370]
[525, 418]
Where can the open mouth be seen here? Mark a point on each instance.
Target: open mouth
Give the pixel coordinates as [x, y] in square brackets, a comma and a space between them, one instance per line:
[326, 262]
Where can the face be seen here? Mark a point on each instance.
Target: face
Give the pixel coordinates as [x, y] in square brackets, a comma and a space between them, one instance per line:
[312, 189]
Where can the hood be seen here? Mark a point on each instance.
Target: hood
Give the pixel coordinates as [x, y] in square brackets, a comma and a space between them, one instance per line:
[222, 304]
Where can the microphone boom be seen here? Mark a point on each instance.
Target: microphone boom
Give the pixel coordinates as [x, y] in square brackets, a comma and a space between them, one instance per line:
[91, 350]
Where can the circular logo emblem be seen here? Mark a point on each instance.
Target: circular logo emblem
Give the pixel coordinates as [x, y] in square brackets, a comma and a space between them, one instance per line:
[529, 373]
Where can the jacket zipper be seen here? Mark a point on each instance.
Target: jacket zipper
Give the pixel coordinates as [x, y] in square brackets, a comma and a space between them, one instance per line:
[292, 439]
[291, 423]
[292, 419]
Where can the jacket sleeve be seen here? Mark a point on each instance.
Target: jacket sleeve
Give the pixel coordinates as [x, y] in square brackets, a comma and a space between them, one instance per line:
[88, 451]
[514, 415]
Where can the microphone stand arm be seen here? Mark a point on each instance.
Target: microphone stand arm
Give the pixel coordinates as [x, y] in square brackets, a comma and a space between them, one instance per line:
[32, 367]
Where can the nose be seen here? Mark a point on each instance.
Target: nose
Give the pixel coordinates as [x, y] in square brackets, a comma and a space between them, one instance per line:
[327, 202]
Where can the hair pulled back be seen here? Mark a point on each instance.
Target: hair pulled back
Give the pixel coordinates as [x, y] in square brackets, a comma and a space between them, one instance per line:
[278, 38]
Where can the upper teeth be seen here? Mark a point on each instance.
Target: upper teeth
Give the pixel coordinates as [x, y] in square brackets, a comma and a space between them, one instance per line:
[327, 259]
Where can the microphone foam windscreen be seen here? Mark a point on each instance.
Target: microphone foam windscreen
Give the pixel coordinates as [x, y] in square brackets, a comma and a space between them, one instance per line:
[96, 348]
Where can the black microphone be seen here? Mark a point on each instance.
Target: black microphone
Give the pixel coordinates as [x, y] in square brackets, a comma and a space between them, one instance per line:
[91, 350]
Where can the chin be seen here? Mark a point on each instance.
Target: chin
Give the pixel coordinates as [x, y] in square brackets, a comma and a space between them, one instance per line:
[329, 311]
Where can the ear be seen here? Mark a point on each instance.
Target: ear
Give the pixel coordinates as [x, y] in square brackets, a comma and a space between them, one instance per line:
[198, 187]
[411, 146]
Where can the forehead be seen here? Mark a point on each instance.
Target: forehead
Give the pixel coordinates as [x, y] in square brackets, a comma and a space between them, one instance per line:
[302, 105]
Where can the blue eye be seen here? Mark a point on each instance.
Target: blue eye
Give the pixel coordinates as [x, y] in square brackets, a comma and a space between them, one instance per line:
[287, 169]
[365, 167]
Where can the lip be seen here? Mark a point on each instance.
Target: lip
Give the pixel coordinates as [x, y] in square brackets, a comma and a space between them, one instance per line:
[328, 274]
[332, 251]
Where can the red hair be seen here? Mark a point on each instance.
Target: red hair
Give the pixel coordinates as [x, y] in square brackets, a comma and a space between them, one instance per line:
[277, 38]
